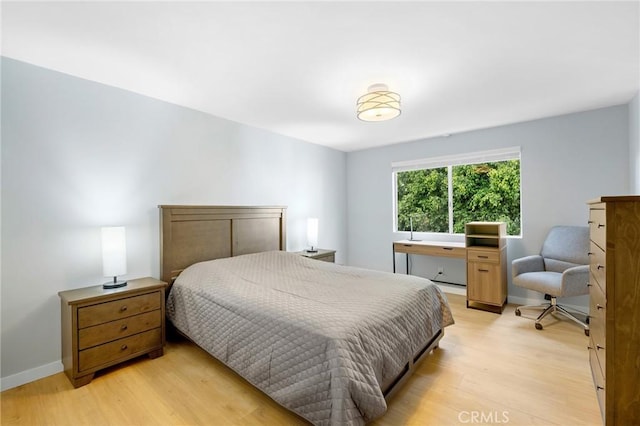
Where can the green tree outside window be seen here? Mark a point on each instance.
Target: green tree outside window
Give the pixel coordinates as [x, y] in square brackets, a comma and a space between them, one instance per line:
[481, 192]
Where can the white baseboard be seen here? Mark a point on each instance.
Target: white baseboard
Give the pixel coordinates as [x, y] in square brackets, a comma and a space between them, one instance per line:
[30, 375]
[453, 289]
[515, 300]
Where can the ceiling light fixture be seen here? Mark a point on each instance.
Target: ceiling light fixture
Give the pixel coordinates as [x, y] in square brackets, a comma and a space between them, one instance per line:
[378, 104]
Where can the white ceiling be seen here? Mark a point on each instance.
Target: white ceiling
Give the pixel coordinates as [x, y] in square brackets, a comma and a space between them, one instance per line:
[297, 68]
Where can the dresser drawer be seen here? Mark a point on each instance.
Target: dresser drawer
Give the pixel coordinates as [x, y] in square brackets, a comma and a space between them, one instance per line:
[113, 330]
[598, 380]
[117, 309]
[597, 264]
[119, 349]
[597, 321]
[487, 256]
[597, 226]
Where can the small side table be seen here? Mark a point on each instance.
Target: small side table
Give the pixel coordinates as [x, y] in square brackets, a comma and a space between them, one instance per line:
[321, 254]
[104, 327]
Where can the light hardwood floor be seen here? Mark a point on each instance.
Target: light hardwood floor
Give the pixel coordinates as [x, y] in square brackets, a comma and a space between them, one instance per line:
[489, 369]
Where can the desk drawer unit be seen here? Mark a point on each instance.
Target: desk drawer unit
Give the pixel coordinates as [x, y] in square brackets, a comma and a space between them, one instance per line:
[614, 307]
[101, 327]
[486, 265]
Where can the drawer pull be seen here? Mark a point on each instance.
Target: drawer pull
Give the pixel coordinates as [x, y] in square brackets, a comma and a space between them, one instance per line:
[123, 347]
[598, 347]
[589, 254]
[589, 222]
[483, 270]
[482, 257]
[589, 348]
[599, 388]
[408, 245]
[124, 308]
[598, 267]
[124, 327]
[447, 248]
[600, 225]
[599, 306]
[588, 284]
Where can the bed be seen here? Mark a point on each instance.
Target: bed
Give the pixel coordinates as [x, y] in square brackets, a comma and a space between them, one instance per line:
[328, 342]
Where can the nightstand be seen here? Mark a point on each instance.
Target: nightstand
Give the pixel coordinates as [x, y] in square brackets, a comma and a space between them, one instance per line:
[104, 327]
[321, 254]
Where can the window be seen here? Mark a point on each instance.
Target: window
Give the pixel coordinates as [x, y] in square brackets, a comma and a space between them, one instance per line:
[442, 194]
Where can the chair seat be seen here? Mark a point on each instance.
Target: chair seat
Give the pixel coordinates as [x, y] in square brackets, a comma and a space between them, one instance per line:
[545, 282]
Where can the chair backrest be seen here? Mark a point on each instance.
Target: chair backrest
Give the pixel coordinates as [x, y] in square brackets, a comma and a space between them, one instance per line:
[565, 247]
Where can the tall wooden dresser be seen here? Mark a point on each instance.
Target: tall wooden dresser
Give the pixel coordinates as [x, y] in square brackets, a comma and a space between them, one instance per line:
[614, 311]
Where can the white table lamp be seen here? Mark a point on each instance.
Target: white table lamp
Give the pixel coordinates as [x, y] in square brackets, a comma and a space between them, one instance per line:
[114, 255]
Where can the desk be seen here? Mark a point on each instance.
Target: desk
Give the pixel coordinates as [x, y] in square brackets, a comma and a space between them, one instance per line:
[428, 248]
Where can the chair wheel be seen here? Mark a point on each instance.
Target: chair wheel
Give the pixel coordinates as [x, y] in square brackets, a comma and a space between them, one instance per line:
[586, 332]
[538, 326]
[518, 312]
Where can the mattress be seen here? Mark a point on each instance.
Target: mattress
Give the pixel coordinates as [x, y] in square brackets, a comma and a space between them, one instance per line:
[321, 339]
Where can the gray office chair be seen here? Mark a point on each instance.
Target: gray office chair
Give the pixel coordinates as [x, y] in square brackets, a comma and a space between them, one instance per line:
[560, 270]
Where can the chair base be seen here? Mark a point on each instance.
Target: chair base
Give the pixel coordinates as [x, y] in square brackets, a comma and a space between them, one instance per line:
[552, 308]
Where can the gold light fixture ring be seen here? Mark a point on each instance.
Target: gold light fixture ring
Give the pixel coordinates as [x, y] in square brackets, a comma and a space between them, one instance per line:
[379, 104]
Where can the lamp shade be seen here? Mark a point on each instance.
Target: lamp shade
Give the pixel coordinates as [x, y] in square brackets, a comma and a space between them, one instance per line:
[312, 232]
[114, 251]
[378, 104]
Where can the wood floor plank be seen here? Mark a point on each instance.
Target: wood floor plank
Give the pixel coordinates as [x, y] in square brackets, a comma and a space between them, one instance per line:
[498, 368]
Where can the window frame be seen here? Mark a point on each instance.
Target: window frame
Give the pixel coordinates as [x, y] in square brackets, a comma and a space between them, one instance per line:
[449, 161]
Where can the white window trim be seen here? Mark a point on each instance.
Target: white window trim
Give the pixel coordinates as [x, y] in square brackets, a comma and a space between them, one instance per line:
[503, 154]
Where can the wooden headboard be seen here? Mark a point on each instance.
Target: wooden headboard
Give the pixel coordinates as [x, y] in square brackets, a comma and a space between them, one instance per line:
[191, 234]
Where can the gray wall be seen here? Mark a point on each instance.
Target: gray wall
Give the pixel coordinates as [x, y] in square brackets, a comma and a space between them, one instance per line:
[77, 155]
[634, 143]
[566, 160]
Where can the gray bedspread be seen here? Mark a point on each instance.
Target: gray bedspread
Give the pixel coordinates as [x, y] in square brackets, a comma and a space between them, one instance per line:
[319, 338]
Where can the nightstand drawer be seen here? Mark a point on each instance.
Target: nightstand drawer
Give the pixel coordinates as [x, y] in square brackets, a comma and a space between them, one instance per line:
[327, 258]
[321, 254]
[122, 308]
[119, 349]
[103, 333]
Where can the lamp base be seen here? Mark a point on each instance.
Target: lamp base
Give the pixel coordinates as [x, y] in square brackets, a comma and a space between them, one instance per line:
[114, 284]
[312, 250]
